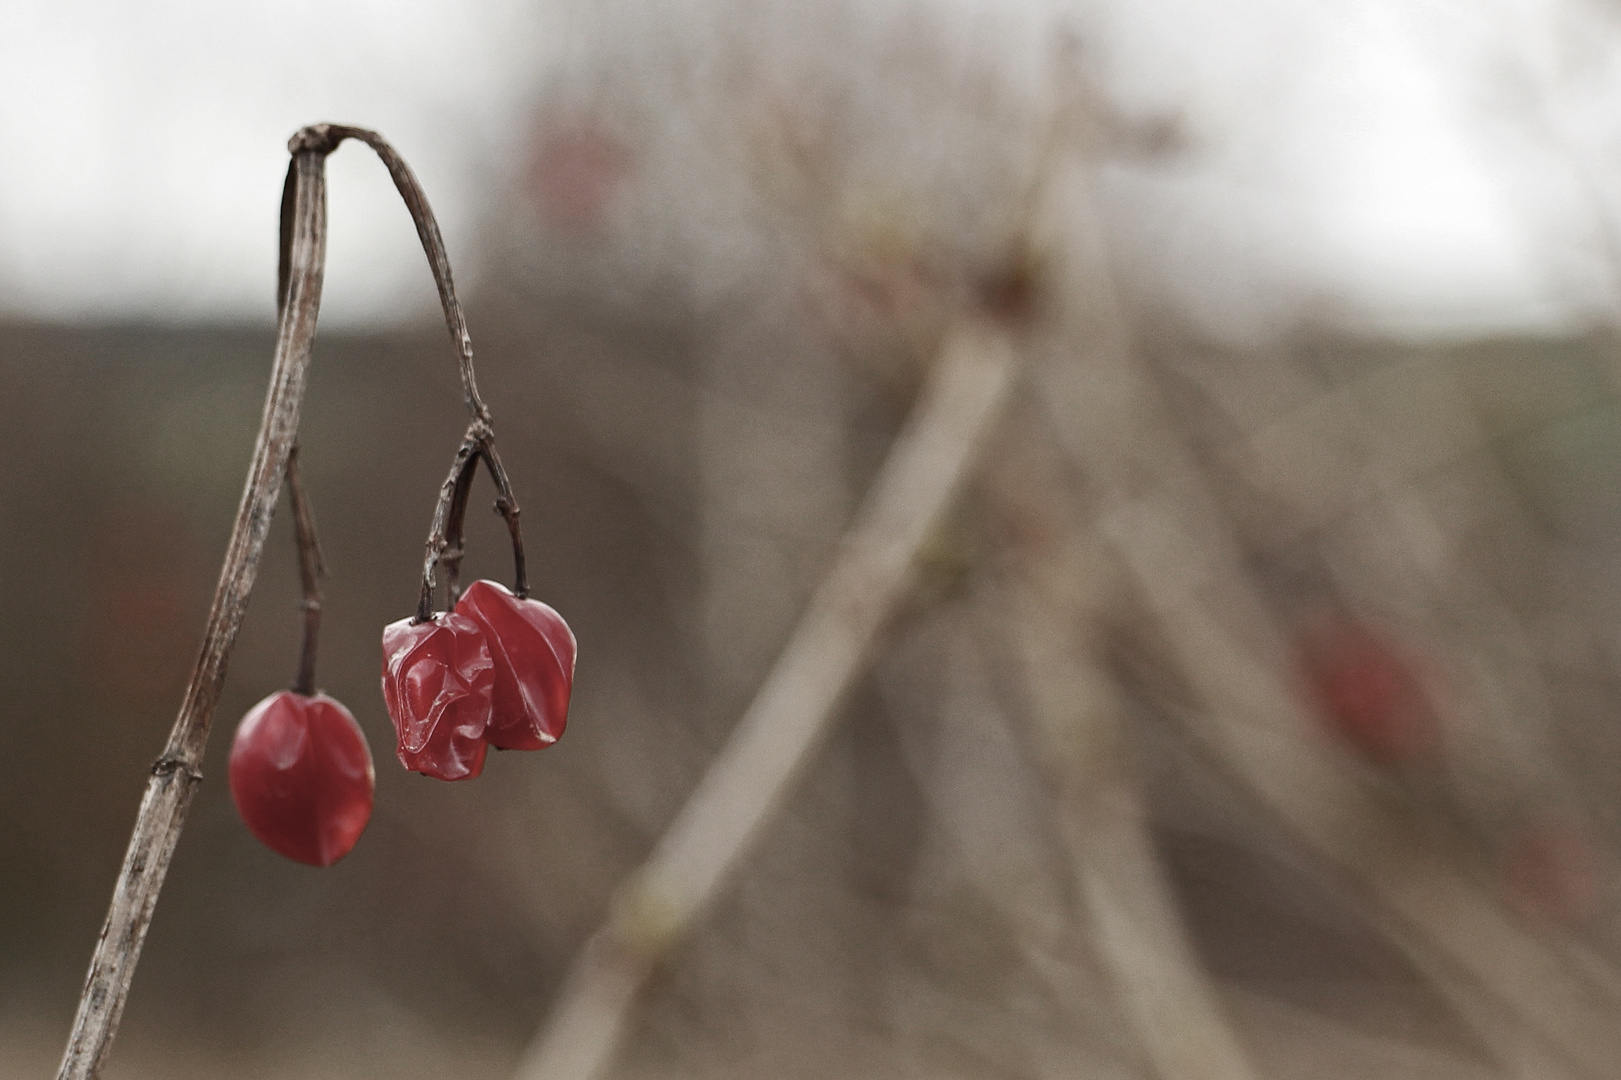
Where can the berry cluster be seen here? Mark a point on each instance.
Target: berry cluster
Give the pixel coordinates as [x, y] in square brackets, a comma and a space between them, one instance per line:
[495, 671]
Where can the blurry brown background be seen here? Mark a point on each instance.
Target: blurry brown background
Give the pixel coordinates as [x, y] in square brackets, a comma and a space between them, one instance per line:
[708, 268]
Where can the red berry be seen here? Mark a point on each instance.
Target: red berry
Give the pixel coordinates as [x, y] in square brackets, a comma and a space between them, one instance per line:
[437, 682]
[1369, 693]
[1552, 872]
[578, 168]
[533, 650]
[301, 777]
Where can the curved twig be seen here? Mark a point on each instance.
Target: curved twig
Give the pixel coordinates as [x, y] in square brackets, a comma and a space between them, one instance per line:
[444, 546]
[328, 136]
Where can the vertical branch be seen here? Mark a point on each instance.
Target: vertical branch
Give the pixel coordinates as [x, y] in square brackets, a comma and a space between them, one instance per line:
[311, 569]
[177, 772]
[792, 713]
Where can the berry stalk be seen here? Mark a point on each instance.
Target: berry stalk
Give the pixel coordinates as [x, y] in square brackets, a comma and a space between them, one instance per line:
[311, 568]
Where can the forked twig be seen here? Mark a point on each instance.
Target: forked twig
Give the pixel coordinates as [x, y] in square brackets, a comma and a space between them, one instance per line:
[792, 713]
[445, 535]
[177, 771]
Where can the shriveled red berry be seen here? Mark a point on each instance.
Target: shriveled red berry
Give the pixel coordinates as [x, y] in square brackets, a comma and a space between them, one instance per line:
[1369, 693]
[301, 777]
[533, 650]
[437, 682]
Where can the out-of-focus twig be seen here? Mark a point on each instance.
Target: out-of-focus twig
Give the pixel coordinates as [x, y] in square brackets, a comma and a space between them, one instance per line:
[792, 712]
[1057, 583]
[1157, 514]
[1421, 898]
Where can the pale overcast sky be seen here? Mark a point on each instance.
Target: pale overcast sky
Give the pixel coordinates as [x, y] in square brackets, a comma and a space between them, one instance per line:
[1423, 166]
[144, 145]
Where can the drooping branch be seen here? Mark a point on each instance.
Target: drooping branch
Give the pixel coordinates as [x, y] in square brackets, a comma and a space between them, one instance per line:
[444, 546]
[433, 244]
[177, 771]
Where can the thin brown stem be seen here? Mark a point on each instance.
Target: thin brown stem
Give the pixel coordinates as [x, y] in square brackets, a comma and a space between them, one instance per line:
[444, 545]
[447, 512]
[506, 504]
[311, 568]
[433, 244]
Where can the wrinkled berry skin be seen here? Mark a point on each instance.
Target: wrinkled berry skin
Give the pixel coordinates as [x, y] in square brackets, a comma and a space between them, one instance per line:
[437, 681]
[301, 777]
[533, 650]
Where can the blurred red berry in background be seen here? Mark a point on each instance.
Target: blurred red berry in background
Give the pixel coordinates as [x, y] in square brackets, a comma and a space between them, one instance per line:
[1367, 690]
[1552, 872]
[575, 171]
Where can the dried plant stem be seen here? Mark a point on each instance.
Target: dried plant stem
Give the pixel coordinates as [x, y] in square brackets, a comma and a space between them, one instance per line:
[177, 771]
[310, 571]
[792, 713]
[433, 245]
[1058, 586]
[444, 538]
